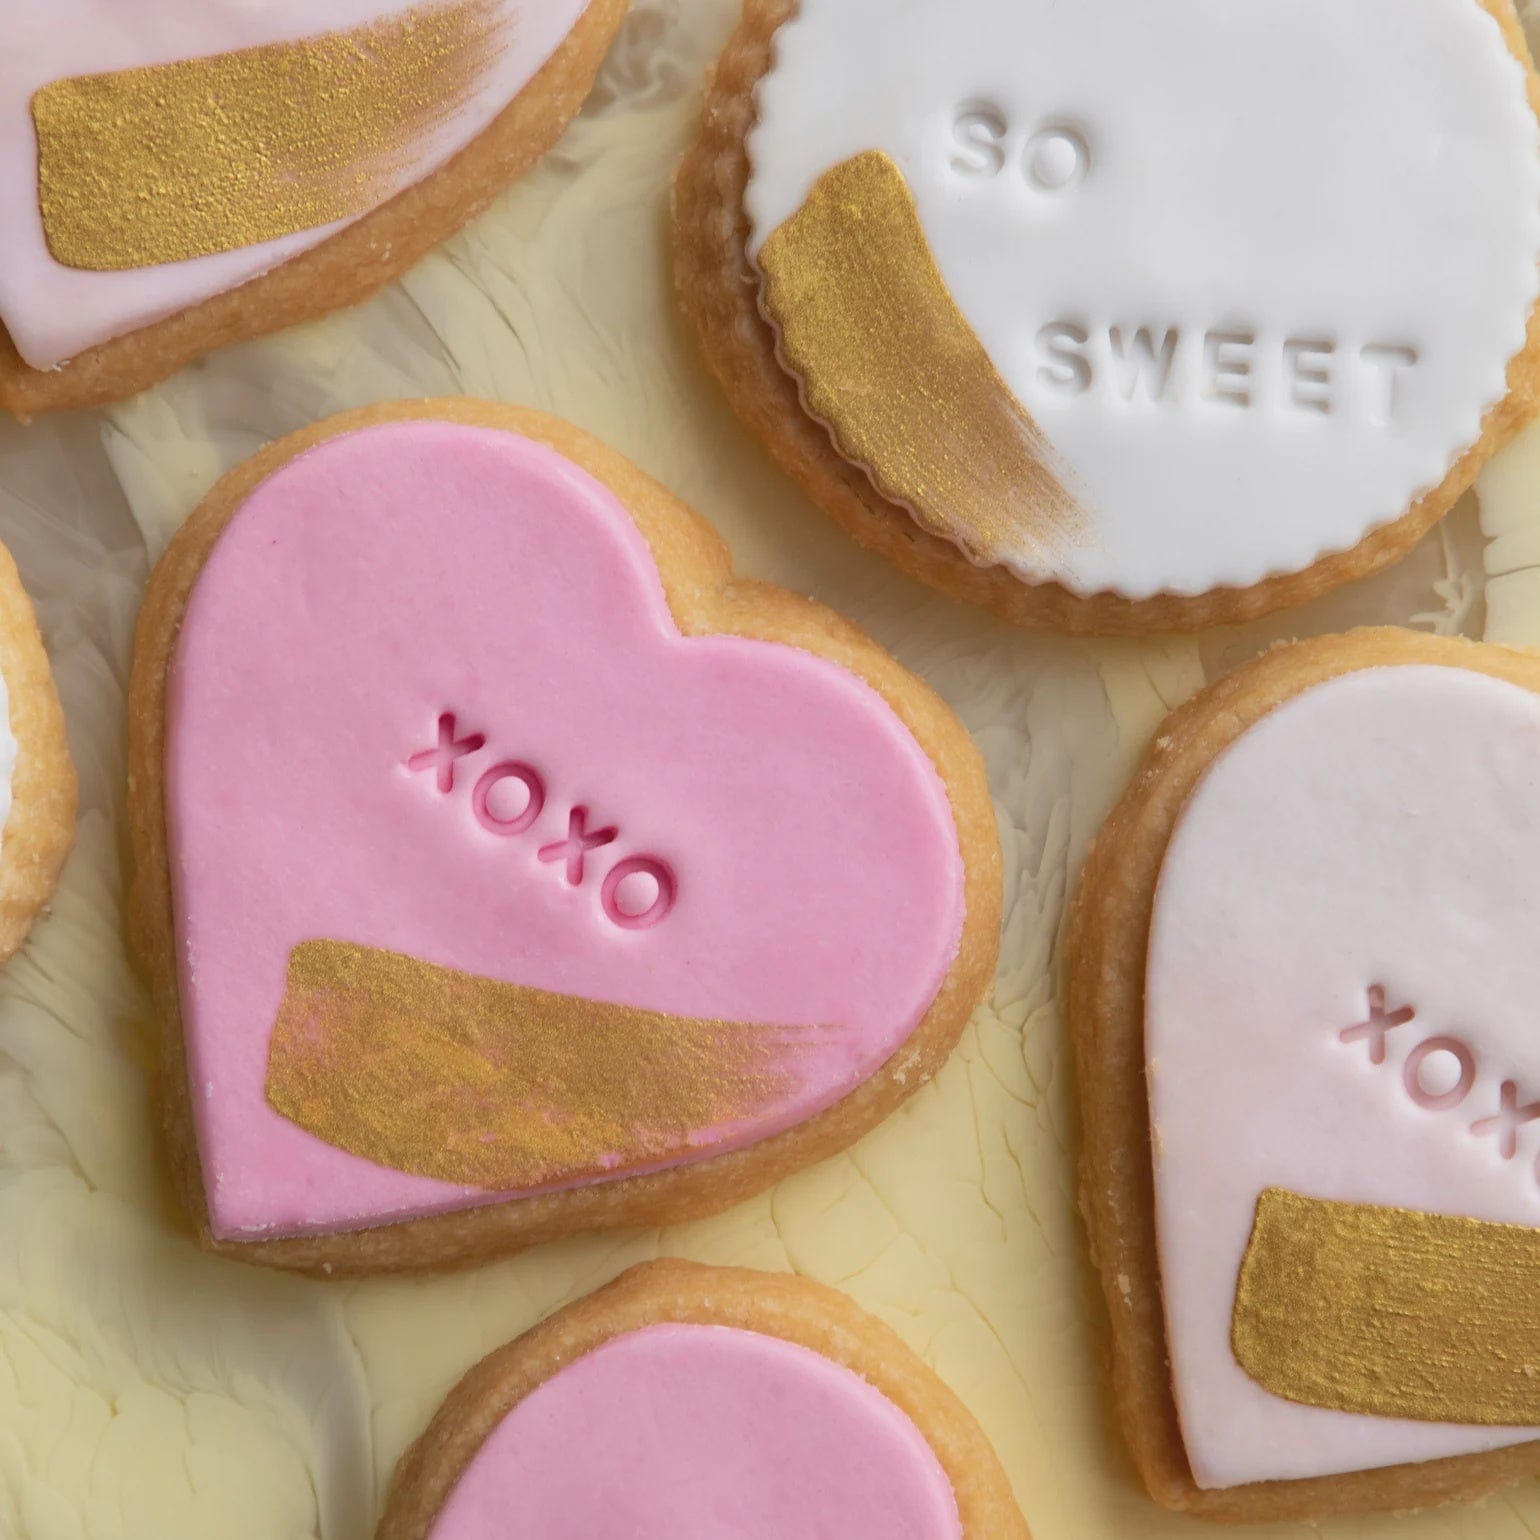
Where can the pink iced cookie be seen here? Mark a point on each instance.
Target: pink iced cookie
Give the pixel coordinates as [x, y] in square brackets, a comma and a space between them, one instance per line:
[694, 1430]
[684, 1400]
[484, 887]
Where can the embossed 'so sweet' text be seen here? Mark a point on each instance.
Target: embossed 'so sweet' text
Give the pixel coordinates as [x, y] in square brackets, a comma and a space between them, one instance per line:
[1051, 156]
[1224, 367]
[1144, 359]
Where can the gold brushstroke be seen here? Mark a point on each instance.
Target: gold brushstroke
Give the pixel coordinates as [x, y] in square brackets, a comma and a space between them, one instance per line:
[1391, 1312]
[889, 363]
[182, 160]
[472, 1080]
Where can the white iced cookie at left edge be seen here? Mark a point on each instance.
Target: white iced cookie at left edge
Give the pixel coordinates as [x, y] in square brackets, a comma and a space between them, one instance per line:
[1150, 301]
[37, 778]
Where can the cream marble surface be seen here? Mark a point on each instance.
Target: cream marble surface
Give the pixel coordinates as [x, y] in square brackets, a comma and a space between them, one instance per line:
[150, 1393]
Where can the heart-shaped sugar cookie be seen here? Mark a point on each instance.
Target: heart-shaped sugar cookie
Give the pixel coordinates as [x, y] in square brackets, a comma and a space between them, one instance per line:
[179, 176]
[686, 1400]
[1329, 871]
[487, 905]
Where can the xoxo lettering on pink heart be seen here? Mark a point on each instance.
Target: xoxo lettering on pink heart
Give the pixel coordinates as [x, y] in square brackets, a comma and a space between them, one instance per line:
[1439, 1075]
[507, 799]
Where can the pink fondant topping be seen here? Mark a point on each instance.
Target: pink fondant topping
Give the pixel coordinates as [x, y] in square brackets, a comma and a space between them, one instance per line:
[1340, 1003]
[428, 697]
[700, 1431]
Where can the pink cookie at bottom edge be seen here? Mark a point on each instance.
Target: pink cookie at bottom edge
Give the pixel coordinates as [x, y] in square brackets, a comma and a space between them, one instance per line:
[683, 1430]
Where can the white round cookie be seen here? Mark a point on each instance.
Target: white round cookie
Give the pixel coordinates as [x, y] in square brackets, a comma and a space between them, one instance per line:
[1257, 271]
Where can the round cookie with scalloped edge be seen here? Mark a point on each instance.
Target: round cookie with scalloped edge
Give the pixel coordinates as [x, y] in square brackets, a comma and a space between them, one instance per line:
[1086, 314]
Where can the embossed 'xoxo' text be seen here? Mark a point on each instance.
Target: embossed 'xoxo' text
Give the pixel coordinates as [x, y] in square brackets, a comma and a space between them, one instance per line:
[1439, 1075]
[508, 798]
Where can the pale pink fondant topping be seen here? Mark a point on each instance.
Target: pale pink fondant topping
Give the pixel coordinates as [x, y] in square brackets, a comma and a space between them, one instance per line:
[1342, 980]
[54, 312]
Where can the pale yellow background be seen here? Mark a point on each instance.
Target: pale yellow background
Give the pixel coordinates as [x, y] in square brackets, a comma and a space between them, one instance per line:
[149, 1393]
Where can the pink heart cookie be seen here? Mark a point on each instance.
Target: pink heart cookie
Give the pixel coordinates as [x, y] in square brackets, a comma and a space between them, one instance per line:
[686, 1400]
[490, 905]
[1303, 936]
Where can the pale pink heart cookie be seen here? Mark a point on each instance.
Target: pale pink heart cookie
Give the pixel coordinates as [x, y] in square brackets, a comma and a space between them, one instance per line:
[487, 905]
[685, 1400]
[178, 176]
[1328, 871]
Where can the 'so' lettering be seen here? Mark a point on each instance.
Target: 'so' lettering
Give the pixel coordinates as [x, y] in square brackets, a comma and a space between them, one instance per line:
[1439, 1101]
[640, 875]
[1057, 158]
[977, 134]
[487, 815]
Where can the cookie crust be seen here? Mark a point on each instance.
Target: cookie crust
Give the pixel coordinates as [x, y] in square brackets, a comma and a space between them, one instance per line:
[772, 1304]
[719, 287]
[1105, 951]
[40, 828]
[349, 267]
[704, 598]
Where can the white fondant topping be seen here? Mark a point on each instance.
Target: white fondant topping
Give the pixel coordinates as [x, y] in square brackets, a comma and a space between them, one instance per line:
[1256, 269]
[1380, 831]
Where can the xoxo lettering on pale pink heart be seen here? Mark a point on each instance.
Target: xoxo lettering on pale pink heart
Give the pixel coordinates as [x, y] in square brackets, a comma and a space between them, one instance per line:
[1439, 1074]
[507, 800]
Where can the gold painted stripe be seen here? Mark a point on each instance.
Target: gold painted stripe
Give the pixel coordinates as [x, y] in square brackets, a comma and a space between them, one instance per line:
[471, 1080]
[1391, 1312]
[887, 360]
[182, 160]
